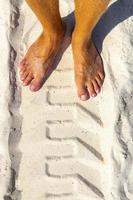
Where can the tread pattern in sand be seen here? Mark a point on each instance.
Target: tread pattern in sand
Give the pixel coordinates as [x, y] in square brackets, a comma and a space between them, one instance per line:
[62, 148]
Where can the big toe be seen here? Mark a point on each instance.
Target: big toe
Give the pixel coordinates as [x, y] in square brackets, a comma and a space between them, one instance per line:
[36, 84]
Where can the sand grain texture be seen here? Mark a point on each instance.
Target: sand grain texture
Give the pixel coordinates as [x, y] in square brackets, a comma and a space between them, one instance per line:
[52, 145]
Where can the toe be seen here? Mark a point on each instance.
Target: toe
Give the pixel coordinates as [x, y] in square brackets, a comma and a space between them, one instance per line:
[23, 76]
[99, 81]
[102, 75]
[28, 80]
[91, 89]
[84, 97]
[22, 63]
[96, 86]
[36, 84]
[22, 71]
[81, 89]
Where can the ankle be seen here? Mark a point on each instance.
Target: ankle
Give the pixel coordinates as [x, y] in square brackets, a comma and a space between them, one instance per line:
[81, 41]
[55, 34]
[80, 38]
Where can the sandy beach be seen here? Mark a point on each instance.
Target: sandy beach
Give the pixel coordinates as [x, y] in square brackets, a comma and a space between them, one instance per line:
[52, 145]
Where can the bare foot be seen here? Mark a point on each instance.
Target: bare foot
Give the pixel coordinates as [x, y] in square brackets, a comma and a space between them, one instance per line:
[89, 71]
[39, 59]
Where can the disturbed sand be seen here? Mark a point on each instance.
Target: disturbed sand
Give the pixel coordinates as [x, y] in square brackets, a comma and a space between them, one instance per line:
[52, 145]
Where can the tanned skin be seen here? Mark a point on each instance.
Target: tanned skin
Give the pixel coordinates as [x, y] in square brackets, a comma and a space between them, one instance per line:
[88, 65]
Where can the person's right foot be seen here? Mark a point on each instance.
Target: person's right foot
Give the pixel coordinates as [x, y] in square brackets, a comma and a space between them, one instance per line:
[39, 60]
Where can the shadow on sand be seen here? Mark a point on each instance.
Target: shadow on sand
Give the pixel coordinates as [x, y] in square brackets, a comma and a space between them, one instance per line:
[115, 14]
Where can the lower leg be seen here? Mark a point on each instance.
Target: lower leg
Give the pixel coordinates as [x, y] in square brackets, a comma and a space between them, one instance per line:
[47, 11]
[89, 71]
[39, 57]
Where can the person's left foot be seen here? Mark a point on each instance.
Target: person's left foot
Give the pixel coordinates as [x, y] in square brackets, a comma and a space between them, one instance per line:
[89, 71]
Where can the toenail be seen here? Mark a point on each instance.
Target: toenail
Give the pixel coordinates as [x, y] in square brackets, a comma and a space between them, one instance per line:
[32, 88]
[97, 91]
[84, 97]
[22, 79]
[94, 95]
[21, 72]
[24, 84]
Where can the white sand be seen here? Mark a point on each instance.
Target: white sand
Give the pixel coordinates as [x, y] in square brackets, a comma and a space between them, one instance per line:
[62, 148]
